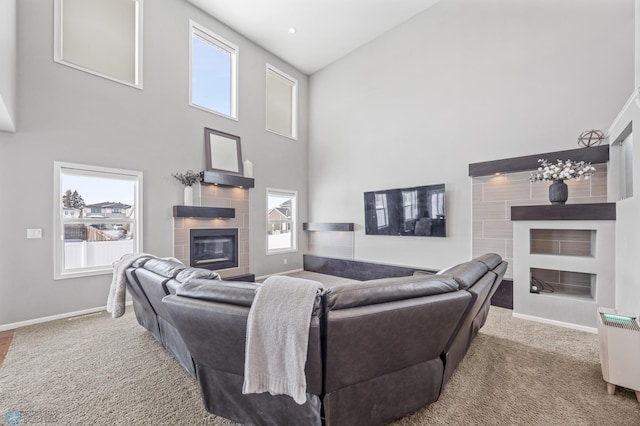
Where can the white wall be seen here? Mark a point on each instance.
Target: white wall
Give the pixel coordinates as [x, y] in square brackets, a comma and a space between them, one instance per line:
[68, 115]
[627, 226]
[637, 43]
[7, 65]
[463, 82]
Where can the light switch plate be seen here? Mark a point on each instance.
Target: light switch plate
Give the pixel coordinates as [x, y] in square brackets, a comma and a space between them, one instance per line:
[34, 233]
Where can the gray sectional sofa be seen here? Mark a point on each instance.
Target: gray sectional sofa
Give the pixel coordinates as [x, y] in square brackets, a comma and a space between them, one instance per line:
[377, 350]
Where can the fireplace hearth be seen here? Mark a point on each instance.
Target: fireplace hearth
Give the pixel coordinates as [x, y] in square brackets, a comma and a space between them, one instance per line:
[214, 249]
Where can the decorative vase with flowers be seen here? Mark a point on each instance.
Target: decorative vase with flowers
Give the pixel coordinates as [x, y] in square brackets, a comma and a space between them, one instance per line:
[558, 173]
[188, 179]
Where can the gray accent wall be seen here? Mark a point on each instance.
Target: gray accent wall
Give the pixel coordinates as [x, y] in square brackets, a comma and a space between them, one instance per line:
[72, 116]
[463, 82]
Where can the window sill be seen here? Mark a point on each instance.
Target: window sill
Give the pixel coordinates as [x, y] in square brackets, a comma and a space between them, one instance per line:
[84, 273]
[283, 251]
[210, 111]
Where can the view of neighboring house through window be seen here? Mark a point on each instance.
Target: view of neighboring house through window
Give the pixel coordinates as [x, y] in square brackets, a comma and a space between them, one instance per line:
[282, 103]
[213, 72]
[281, 221]
[97, 218]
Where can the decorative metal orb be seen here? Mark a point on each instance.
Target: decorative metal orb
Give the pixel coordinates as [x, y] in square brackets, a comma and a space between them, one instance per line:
[590, 138]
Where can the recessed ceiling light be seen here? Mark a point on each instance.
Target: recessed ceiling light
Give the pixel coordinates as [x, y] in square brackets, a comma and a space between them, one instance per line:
[292, 30]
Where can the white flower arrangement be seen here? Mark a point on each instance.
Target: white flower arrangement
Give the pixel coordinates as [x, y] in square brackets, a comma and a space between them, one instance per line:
[188, 178]
[562, 170]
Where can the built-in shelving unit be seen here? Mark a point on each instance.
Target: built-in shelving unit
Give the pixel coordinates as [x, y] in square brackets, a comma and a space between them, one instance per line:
[225, 179]
[568, 257]
[327, 226]
[204, 212]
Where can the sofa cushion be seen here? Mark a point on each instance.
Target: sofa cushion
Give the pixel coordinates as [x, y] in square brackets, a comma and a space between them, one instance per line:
[465, 274]
[196, 273]
[490, 259]
[372, 292]
[233, 292]
[163, 267]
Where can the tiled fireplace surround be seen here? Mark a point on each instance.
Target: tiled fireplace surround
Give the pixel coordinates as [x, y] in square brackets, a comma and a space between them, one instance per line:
[494, 195]
[209, 195]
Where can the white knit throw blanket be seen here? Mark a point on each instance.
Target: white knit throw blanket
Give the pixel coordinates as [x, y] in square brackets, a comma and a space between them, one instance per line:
[278, 335]
[118, 289]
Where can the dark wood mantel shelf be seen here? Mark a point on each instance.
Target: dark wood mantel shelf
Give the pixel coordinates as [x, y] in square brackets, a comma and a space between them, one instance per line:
[204, 212]
[597, 211]
[594, 155]
[225, 179]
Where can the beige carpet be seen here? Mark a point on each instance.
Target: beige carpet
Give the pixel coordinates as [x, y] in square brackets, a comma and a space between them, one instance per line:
[95, 370]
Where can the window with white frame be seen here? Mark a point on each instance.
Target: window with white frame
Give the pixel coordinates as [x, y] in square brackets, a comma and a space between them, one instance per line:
[97, 218]
[282, 103]
[101, 37]
[381, 210]
[410, 204]
[213, 73]
[281, 221]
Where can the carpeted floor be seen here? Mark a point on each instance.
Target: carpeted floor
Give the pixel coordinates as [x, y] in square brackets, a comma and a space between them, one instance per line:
[95, 370]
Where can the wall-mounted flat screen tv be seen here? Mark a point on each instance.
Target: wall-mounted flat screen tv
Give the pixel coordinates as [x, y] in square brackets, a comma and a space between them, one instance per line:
[415, 212]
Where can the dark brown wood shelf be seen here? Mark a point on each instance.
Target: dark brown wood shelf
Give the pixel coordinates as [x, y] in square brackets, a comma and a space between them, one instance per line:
[204, 212]
[328, 226]
[594, 155]
[225, 179]
[597, 211]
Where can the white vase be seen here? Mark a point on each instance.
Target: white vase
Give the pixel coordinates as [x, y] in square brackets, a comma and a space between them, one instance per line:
[248, 169]
[188, 196]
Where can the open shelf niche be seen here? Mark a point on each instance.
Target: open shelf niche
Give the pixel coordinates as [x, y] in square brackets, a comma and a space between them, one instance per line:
[564, 242]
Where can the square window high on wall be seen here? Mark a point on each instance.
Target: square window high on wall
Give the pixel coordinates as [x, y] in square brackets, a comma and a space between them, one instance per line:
[213, 72]
[101, 37]
[97, 218]
[282, 103]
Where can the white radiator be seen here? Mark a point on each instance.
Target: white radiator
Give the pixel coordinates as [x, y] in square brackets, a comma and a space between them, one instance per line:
[619, 336]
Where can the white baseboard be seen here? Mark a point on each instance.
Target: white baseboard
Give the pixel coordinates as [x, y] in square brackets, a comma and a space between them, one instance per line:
[556, 323]
[13, 326]
[264, 277]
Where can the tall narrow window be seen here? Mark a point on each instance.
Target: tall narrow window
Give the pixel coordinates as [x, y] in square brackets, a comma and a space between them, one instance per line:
[437, 205]
[98, 218]
[281, 221]
[213, 85]
[381, 211]
[410, 204]
[101, 37]
[282, 103]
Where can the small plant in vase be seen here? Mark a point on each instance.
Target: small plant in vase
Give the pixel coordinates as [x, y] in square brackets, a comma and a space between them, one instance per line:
[558, 173]
[188, 179]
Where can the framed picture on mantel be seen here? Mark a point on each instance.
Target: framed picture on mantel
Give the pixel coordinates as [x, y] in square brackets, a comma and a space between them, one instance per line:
[223, 152]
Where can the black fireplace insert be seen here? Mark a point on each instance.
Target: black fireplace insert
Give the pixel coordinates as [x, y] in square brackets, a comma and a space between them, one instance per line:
[214, 248]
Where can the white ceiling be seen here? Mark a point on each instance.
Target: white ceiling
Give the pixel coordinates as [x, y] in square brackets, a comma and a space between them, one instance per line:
[325, 29]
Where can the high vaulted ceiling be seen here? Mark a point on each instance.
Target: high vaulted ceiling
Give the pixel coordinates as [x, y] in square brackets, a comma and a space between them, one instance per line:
[325, 30]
